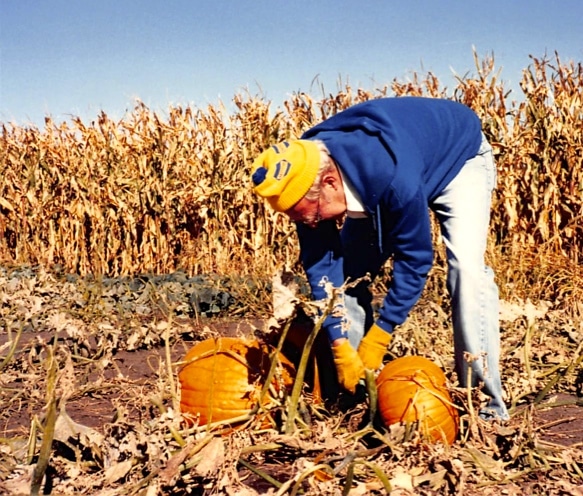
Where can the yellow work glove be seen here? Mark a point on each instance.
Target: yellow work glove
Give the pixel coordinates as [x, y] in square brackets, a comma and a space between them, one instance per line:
[348, 365]
[373, 347]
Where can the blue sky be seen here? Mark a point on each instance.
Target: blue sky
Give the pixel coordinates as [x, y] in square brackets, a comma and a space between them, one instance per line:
[79, 57]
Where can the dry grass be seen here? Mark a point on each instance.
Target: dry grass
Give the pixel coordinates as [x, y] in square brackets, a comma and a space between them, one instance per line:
[156, 194]
[143, 447]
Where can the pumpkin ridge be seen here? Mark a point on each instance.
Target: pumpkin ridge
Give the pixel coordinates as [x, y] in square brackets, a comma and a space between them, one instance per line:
[414, 389]
[223, 378]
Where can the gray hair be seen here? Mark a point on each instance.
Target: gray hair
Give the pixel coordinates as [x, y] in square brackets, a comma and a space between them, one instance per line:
[326, 164]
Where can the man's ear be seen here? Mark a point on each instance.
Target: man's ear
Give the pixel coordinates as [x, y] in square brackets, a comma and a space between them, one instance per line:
[332, 178]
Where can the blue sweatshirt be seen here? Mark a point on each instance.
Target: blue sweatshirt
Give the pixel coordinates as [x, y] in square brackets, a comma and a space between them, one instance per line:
[398, 154]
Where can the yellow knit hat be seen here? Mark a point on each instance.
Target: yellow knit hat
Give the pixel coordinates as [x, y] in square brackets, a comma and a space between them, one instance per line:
[285, 172]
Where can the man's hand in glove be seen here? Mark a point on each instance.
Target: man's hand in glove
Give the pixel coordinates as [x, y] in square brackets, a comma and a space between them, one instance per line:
[373, 347]
[349, 367]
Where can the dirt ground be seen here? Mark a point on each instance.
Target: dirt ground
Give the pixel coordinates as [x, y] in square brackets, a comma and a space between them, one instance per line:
[93, 351]
[559, 423]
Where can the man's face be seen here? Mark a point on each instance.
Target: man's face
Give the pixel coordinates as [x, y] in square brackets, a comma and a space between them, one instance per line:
[329, 204]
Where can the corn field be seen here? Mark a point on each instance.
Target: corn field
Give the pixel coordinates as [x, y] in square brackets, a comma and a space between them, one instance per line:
[154, 194]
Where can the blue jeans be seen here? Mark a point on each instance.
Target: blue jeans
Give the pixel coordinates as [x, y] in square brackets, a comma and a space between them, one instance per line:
[463, 212]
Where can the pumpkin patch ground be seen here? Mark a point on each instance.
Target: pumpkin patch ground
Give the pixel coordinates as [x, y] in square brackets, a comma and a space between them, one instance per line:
[106, 367]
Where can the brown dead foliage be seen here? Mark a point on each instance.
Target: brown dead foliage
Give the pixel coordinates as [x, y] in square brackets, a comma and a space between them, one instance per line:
[70, 358]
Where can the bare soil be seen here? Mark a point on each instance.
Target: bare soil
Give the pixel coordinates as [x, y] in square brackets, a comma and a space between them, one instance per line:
[558, 420]
[105, 354]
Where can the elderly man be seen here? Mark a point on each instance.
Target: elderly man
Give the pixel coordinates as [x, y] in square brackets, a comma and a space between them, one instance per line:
[380, 166]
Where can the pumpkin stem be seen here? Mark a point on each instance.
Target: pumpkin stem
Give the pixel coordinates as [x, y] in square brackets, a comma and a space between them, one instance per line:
[13, 347]
[274, 363]
[301, 371]
[560, 374]
[168, 356]
[260, 473]
[372, 391]
[471, 410]
[50, 421]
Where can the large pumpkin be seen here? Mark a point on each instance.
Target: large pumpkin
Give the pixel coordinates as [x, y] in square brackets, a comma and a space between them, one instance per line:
[413, 389]
[222, 378]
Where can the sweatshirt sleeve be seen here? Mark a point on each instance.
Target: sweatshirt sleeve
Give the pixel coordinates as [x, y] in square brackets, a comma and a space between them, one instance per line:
[407, 230]
[321, 257]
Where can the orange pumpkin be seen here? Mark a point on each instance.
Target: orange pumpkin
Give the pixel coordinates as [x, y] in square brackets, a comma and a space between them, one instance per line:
[222, 378]
[413, 389]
